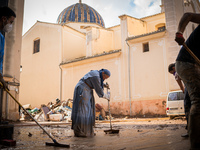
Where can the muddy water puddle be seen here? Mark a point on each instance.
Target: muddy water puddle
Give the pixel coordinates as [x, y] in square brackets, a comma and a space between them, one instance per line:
[130, 137]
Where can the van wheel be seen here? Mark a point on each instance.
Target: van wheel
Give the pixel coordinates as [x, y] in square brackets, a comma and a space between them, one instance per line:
[172, 117]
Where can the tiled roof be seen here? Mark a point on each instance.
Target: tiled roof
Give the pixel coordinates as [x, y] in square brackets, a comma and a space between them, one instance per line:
[84, 58]
[80, 12]
[146, 34]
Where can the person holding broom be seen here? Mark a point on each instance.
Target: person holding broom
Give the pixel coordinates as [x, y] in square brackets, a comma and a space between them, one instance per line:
[189, 71]
[7, 17]
[187, 102]
[83, 109]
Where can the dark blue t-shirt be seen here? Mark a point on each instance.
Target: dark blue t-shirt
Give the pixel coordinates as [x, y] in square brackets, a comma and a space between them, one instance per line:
[193, 42]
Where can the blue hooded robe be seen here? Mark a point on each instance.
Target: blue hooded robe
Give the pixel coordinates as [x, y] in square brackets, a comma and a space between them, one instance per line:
[83, 110]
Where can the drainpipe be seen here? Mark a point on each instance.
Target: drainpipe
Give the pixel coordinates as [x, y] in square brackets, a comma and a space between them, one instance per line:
[60, 82]
[61, 55]
[129, 78]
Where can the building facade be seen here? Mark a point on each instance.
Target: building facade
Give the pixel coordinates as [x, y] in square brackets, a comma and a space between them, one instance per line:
[137, 52]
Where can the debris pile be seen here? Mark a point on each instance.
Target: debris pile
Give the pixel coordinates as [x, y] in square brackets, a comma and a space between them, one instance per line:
[58, 111]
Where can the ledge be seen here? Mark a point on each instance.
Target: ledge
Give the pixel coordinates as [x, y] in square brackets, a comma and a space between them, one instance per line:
[96, 57]
[147, 36]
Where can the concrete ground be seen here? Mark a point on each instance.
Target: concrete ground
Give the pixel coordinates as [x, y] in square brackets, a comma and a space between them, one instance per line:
[134, 134]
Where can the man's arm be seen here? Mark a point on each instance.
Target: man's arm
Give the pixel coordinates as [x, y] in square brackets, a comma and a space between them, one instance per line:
[180, 85]
[179, 81]
[186, 18]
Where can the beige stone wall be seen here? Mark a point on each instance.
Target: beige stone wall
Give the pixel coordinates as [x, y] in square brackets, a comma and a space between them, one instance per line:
[144, 25]
[148, 70]
[154, 21]
[148, 84]
[73, 44]
[99, 41]
[11, 65]
[123, 64]
[40, 76]
[116, 36]
[136, 26]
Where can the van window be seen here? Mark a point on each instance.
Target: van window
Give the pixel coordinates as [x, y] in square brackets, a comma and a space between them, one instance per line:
[176, 96]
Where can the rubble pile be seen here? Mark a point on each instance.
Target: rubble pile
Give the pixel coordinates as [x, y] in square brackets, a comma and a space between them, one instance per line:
[58, 111]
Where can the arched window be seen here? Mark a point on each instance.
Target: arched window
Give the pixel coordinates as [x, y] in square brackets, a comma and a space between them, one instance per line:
[160, 26]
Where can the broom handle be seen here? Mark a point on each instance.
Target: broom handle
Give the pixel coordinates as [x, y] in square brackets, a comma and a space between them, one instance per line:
[109, 111]
[27, 112]
[191, 53]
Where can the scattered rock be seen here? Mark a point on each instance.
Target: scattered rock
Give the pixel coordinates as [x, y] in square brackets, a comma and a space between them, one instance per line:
[29, 134]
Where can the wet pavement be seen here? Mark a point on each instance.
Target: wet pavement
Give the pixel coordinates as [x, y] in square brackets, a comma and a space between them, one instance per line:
[135, 134]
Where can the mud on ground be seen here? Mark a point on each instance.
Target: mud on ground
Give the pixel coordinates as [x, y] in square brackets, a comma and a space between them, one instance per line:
[134, 134]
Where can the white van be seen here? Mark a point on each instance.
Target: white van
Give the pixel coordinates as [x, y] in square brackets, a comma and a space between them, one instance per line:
[175, 104]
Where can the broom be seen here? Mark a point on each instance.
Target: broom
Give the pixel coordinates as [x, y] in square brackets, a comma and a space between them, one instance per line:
[55, 143]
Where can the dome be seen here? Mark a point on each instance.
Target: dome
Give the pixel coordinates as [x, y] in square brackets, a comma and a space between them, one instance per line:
[80, 12]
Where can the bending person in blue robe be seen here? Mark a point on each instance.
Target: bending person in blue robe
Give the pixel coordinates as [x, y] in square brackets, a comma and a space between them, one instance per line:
[83, 110]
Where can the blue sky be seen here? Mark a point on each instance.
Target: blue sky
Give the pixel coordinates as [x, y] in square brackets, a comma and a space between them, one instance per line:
[48, 10]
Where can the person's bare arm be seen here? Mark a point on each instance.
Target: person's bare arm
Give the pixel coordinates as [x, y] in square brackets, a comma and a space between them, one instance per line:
[180, 85]
[186, 18]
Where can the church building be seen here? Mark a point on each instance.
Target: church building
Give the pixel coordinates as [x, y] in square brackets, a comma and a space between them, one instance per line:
[55, 56]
